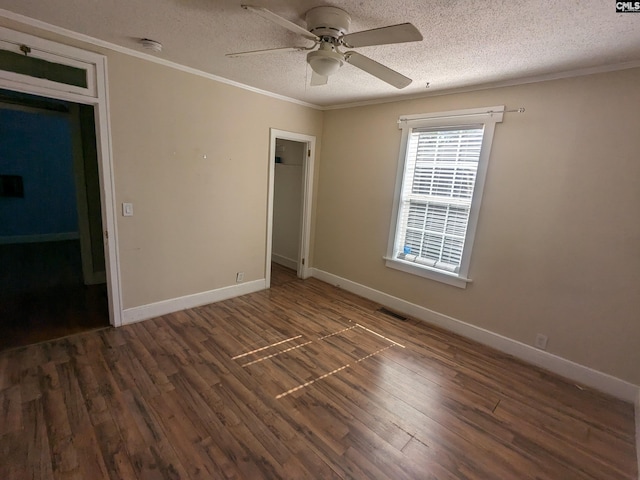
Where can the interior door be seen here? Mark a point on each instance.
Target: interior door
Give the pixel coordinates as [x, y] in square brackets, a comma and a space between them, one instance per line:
[88, 194]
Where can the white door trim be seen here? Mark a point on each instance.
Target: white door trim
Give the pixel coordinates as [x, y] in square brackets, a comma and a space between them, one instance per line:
[99, 100]
[304, 270]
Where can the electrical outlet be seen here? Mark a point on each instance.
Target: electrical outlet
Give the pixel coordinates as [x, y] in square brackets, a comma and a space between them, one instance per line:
[239, 277]
[541, 341]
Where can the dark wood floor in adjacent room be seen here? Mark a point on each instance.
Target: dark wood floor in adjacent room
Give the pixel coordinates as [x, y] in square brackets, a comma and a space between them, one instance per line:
[301, 381]
[43, 296]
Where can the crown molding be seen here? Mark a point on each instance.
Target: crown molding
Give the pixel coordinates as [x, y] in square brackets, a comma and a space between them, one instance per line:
[498, 84]
[32, 22]
[436, 93]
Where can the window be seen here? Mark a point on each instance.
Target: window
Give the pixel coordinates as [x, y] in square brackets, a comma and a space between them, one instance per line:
[443, 163]
[39, 68]
[30, 60]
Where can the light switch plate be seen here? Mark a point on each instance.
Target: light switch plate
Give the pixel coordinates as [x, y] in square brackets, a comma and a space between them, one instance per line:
[127, 209]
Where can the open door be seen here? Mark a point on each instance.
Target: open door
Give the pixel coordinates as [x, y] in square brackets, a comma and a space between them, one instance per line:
[87, 181]
[295, 164]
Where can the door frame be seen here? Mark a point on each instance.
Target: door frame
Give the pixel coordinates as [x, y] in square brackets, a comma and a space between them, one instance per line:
[304, 269]
[96, 96]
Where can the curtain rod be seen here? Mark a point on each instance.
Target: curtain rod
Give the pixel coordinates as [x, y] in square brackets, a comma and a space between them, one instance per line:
[488, 112]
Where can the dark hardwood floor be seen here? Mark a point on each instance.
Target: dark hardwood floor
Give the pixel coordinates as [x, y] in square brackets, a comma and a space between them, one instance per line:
[281, 275]
[42, 294]
[301, 381]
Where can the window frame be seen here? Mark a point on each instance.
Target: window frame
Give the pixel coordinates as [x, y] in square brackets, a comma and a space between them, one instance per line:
[71, 57]
[488, 117]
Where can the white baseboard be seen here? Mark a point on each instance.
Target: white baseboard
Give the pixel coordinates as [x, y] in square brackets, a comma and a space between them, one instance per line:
[566, 368]
[144, 312]
[45, 237]
[284, 261]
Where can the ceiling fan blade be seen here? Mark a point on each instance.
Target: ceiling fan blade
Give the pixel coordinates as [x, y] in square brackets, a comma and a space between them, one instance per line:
[317, 79]
[283, 22]
[377, 69]
[404, 32]
[268, 50]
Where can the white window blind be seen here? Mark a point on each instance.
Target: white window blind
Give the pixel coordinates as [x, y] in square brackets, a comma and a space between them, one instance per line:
[442, 166]
[440, 175]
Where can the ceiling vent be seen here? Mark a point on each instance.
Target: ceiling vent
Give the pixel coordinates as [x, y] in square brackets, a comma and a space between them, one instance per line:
[152, 45]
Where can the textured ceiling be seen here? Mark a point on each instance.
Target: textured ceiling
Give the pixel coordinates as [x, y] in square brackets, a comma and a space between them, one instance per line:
[466, 42]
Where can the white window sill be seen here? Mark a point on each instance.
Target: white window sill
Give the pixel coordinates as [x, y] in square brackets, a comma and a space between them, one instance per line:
[427, 272]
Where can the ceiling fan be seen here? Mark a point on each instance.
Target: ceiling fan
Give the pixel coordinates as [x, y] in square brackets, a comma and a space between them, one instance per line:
[328, 28]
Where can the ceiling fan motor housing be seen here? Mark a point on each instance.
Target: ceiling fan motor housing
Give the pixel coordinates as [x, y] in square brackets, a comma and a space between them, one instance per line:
[328, 22]
[328, 28]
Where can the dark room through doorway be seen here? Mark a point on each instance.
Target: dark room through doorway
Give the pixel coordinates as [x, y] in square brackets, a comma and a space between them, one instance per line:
[52, 262]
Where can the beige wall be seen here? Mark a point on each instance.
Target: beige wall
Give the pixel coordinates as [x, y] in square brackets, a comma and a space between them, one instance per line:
[197, 221]
[557, 248]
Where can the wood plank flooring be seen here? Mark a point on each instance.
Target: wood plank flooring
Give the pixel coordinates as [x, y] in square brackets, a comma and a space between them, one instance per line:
[301, 381]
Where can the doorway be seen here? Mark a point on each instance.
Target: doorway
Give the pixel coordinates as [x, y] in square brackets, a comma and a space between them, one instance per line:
[54, 71]
[291, 160]
[53, 280]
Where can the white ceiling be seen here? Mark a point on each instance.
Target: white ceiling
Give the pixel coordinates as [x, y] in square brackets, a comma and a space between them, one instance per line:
[466, 42]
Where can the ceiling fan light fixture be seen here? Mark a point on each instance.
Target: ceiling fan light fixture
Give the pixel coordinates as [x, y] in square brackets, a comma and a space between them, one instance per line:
[325, 62]
[328, 28]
